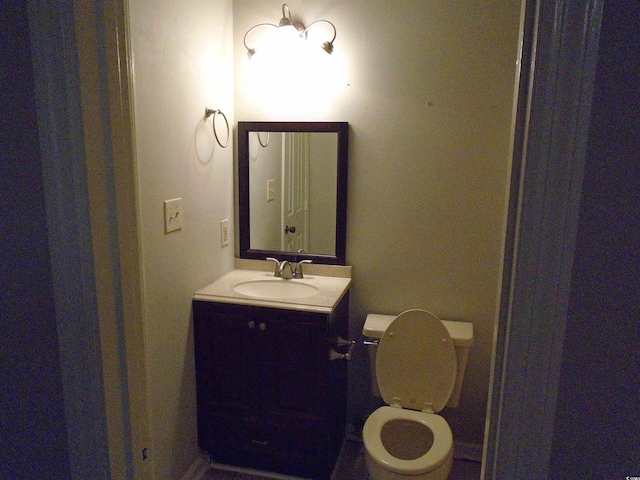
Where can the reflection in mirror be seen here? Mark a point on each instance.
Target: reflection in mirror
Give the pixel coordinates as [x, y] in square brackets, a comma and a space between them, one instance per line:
[292, 186]
[292, 191]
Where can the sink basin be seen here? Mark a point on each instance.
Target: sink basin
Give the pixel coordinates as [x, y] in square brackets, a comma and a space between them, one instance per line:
[275, 289]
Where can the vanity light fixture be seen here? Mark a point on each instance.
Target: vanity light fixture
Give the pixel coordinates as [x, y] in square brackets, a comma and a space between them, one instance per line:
[288, 28]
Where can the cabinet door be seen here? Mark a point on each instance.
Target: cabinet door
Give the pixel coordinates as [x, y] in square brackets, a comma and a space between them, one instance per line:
[225, 344]
[294, 351]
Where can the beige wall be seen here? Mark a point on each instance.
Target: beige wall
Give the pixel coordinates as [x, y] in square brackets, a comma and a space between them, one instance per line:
[265, 165]
[323, 171]
[182, 62]
[428, 93]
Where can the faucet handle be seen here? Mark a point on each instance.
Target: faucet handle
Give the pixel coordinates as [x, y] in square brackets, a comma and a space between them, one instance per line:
[298, 270]
[278, 269]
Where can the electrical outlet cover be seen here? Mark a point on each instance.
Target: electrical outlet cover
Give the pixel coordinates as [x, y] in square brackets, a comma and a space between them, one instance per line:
[224, 232]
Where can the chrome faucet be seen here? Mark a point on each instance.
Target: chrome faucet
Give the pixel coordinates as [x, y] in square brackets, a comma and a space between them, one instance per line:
[286, 269]
[297, 270]
[281, 268]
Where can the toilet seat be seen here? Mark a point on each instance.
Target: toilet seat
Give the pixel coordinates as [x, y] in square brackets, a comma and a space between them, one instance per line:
[435, 456]
[416, 364]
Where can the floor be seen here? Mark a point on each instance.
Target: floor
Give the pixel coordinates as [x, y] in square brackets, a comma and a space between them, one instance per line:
[350, 467]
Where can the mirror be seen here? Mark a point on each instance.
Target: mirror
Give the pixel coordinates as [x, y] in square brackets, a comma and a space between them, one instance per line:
[292, 185]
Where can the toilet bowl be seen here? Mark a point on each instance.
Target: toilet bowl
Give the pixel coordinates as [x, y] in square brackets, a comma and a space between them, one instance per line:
[402, 443]
[416, 371]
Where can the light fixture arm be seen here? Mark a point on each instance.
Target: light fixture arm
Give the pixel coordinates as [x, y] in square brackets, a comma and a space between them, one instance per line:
[335, 32]
[285, 20]
[326, 46]
[251, 51]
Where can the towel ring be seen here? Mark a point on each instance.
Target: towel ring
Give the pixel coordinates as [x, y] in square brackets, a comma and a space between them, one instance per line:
[260, 141]
[207, 113]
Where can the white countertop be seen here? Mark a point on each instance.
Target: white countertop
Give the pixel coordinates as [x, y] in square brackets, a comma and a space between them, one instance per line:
[331, 290]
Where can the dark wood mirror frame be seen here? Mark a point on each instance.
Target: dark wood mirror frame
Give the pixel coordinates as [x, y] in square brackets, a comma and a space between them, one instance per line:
[342, 129]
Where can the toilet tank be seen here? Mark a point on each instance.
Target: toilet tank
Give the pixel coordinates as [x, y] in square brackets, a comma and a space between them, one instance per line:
[461, 334]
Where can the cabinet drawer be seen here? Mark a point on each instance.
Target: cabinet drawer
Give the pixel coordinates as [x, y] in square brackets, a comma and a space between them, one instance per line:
[299, 449]
[302, 440]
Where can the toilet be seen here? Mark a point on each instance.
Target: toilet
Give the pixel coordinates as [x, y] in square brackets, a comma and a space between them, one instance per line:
[418, 363]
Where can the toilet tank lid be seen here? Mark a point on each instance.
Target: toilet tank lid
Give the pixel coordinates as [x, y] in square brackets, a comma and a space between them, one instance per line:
[461, 332]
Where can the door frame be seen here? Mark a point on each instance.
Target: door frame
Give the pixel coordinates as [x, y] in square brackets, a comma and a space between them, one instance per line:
[559, 45]
[82, 86]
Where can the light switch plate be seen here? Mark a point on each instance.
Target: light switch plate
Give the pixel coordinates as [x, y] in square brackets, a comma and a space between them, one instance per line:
[172, 215]
[271, 193]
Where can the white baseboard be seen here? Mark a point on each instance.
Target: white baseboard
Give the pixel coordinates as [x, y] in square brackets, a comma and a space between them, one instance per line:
[253, 472]
[467, 451]
[200, 466]
[197, 469]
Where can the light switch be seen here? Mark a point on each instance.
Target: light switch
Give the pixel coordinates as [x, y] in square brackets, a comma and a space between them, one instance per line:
[271, 193]
[172, 215]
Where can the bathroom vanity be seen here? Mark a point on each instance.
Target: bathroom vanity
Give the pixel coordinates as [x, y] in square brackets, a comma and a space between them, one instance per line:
[271, 370]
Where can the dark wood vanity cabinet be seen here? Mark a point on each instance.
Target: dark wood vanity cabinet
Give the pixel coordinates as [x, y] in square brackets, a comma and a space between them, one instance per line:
[269, 396]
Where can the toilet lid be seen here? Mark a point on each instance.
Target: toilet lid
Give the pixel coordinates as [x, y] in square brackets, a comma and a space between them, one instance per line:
[416, 362]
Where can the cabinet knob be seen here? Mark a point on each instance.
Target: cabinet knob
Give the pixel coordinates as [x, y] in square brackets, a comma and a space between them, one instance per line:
[251, 324]
[262, 326]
